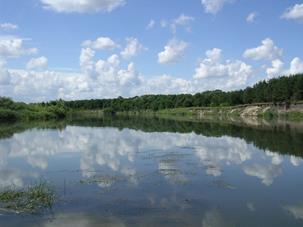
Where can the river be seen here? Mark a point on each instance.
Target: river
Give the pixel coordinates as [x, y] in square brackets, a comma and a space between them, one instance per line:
[157, 172]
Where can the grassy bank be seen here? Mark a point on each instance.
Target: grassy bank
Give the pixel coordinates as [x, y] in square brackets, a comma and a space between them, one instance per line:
[15, 111]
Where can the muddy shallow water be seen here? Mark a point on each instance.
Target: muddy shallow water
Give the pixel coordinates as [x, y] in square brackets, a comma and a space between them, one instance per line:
[157, 172]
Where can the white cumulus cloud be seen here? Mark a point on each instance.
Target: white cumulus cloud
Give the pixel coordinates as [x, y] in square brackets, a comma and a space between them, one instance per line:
[266, 51]
[4, 74]
[173, 51]
[132, 48]
[86, 60]
[294, 13]
[82, 6]
[112, 80]
[100, 43]
[13, 47]
[165, 84]
[183, 20]
[110, 77]
[233, 72]
[107, 70]
[151, 24]
[129, 76]
[276, 69]
[37, 63]
[213, 6]
[251, 17]
[99, 78]
[8, 26]
[296, 66]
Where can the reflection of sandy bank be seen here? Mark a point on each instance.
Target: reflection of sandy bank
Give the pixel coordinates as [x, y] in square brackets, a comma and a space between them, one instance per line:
[251, 111]
[256, 122]
[253, 121]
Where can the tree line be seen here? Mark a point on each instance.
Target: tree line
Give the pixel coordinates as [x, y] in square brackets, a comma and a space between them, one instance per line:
[278, 90]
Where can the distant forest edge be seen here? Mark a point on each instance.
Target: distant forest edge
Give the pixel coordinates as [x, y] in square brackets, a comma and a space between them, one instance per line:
[283, 90]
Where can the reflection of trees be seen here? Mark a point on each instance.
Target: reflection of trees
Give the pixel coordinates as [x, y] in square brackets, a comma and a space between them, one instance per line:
[281, 138]
[284, 138]
[8, 130]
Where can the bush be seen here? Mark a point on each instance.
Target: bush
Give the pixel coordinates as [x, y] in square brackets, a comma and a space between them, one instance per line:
[109, 111]
[7, 115]
[58, 112]
[6, 103]
[270, 114]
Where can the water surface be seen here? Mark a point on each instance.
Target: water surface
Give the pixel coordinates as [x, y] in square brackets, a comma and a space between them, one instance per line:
[148, 172]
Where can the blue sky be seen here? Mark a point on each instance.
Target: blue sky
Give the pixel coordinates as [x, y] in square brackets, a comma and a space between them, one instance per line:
[49, 49]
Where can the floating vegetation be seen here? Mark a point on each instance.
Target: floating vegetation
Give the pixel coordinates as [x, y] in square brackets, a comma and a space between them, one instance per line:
[33, 199]
[170, 171]
[224, 185]
[104, 180]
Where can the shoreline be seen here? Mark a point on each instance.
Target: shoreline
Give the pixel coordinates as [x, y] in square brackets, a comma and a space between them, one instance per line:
[292, 112]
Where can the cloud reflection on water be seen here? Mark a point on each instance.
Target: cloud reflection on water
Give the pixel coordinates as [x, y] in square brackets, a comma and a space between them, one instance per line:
[118, 150]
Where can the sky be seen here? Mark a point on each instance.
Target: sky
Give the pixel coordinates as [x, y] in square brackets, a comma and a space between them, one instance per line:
[87, 49]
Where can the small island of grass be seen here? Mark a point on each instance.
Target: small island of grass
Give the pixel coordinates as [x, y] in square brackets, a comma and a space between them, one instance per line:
[31, 200]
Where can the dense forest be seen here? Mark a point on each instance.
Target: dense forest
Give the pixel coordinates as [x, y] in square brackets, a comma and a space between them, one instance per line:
[279, 90]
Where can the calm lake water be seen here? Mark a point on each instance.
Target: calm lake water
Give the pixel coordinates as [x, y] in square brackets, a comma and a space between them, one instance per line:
[153, 172]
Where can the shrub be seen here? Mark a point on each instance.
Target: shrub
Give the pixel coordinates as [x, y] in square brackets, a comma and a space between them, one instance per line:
[109, 111]
[7, 115]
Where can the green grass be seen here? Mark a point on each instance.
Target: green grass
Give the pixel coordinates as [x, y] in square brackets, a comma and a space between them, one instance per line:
[33, 199]
[294, 116]
[269, 114]
[177, 111]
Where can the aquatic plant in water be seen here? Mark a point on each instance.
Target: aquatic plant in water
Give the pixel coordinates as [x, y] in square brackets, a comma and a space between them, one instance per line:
[33, 199]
